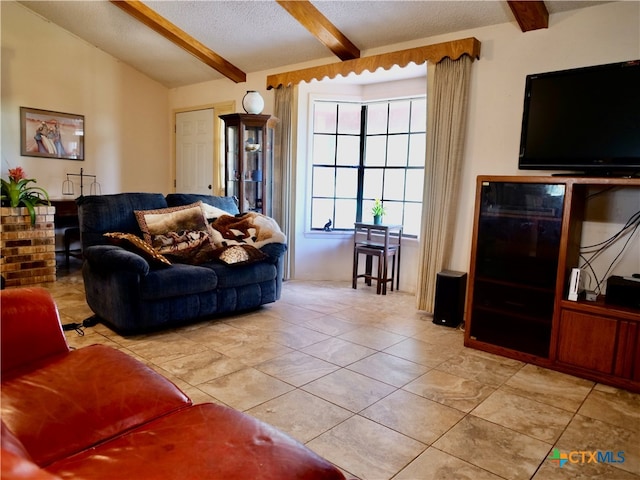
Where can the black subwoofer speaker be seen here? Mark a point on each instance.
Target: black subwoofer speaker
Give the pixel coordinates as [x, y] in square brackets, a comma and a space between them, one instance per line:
[451, 288]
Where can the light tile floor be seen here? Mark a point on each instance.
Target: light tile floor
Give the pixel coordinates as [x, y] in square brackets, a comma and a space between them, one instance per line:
[371, 384]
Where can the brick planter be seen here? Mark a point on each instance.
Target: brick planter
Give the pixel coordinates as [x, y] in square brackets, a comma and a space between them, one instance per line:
[28, 252]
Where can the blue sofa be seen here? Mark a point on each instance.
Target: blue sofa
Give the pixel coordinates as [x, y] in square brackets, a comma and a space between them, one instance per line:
[131, 294]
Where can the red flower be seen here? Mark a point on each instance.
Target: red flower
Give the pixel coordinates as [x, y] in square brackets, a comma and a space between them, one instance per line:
[17, 174]
[17, 192]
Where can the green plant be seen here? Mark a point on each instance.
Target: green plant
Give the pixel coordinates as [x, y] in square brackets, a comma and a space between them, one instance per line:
[378, 209]
[16, 192]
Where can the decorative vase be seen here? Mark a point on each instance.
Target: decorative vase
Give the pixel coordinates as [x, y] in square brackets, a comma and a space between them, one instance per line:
[253, 102]
[377, 219]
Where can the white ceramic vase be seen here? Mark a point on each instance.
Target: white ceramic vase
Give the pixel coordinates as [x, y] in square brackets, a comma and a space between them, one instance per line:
[253, 102]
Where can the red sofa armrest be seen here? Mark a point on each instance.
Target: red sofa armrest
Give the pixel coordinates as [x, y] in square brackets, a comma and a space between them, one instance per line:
[15, 462]
[15, 467]
[31, 328]
[77, 400]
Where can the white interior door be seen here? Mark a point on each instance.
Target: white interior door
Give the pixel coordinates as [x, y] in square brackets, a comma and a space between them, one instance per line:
[194, 152]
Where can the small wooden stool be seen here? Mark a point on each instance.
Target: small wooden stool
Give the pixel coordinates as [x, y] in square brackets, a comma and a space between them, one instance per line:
[382, 277]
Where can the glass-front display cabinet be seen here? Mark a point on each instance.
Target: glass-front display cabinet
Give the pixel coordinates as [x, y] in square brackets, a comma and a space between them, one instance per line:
[249, 160]
[515, 266]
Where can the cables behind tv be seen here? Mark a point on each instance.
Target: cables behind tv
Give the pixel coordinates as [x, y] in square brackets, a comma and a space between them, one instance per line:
[589, 253]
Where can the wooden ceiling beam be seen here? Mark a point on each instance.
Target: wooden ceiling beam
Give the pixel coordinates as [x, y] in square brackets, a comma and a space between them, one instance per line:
[530, 14]
[151, 19]
[321, 28]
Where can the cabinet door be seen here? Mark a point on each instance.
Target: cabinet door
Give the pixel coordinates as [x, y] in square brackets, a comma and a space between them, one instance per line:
[628, 353]
[232, 163]
[517, 246]
[253, 168]
[249, 160]
[587, 341]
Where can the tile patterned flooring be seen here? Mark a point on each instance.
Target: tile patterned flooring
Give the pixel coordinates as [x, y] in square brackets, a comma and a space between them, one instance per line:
[371, 384]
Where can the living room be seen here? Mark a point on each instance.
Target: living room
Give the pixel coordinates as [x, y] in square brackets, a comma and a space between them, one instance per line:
[129, 124]
[130, 118]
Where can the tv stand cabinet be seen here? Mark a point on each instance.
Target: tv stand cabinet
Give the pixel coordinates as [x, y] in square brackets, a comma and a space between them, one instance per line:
[526, 239]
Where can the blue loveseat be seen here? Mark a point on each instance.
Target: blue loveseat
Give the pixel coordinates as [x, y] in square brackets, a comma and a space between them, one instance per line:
[132, 294]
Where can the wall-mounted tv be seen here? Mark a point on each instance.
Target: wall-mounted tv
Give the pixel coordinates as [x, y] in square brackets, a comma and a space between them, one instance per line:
[584, 120]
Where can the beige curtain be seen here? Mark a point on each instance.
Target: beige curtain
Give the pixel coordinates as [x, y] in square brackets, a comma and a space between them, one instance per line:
[445, 140]
[283, 171]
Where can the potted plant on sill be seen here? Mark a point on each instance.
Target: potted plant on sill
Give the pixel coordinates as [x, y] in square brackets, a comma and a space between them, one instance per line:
[378, 211]
[17, 193]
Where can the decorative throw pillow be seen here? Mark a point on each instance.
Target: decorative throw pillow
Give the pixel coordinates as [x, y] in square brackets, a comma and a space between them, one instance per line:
[137, 245]
[180, 232]
[239, 255]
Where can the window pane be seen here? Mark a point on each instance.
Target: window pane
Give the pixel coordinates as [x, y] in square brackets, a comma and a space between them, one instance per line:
[323, 182]
[324, 149]
[394, 184]
[345, 213]
[397, 151]
[417, 149]
[324, 117]
[349, 118]
[372, 183]
[376, 149]
[367, 205]
[377, 118]
[419, 115]
[399, 116]
[347, 183]
[415, 184]
[412, 216]
[321, 212]
[348, 151]
[392, 167]
[393, 212]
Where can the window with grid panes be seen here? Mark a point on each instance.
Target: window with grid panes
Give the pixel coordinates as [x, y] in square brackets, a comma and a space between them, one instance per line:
[364, 151]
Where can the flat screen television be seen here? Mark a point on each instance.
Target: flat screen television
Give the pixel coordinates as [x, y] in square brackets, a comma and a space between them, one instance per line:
[584, 120]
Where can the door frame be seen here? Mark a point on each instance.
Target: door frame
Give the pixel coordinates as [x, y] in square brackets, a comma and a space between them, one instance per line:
[220, 108]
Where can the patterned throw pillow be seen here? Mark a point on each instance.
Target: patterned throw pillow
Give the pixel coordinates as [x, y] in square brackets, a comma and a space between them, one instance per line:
[179, 232]
[240, 255]
[135, 244]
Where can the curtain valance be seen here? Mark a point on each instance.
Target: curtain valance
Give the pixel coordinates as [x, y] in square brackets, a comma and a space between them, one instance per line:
[418, 55]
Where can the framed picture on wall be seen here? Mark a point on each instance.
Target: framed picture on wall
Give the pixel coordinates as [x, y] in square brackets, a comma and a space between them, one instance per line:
[48, 134]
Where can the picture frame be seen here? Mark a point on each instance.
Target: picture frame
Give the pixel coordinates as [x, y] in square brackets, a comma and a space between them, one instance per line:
[49, 134]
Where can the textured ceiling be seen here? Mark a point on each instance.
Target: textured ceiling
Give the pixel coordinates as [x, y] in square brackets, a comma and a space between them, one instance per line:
[259, 34]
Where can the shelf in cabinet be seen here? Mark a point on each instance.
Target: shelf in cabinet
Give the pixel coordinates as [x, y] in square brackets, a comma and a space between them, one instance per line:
[599, 307]
[523, 215]
[536, 345]
[517, 316]
[507, 283]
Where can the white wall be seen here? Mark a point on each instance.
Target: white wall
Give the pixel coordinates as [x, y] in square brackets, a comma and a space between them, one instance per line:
[127, 130]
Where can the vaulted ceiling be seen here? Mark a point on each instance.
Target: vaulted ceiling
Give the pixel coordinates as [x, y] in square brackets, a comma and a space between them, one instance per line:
[182, 42]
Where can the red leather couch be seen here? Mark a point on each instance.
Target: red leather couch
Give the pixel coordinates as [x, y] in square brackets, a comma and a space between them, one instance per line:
[97, 413]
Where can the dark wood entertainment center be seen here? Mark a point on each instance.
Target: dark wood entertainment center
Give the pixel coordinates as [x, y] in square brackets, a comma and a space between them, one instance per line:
[526, 240]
